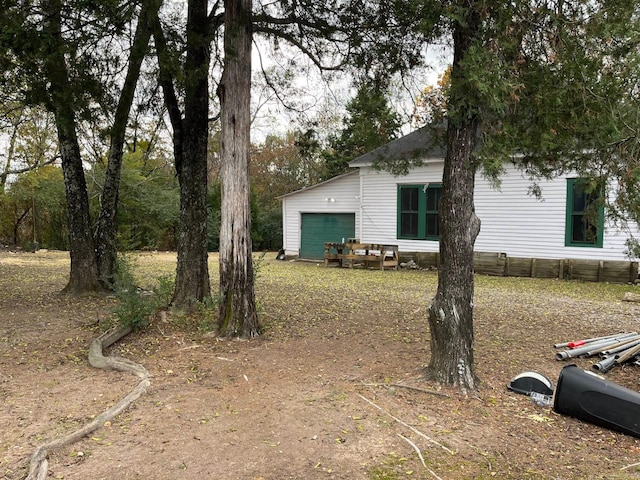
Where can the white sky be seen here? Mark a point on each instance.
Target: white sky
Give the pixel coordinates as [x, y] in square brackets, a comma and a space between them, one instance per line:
[315, 96]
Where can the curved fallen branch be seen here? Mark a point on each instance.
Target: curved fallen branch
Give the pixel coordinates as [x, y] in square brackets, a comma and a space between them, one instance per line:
[38, 463]
[413, 429]
[415, 447]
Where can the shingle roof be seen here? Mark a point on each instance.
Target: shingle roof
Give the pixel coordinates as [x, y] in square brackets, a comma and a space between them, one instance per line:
[421, 143]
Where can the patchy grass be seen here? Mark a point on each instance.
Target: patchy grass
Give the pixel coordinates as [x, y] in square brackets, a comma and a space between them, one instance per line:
[290, 405]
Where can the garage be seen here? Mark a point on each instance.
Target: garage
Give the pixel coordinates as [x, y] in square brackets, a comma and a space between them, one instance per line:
[318, 228]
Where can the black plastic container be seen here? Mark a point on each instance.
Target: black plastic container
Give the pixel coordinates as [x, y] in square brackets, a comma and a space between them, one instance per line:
[586, 396]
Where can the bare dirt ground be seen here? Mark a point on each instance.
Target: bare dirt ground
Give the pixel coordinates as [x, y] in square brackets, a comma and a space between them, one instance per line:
[321, 395]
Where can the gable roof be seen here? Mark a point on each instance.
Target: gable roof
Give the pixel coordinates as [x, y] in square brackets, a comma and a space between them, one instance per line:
[333, 179]
[420, 143]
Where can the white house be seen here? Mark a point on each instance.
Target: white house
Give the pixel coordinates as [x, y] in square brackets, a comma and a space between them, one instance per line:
[375, 206]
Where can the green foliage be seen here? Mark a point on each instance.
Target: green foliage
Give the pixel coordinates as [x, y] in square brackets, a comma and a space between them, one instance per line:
[132, 309]
[575, 98]
[135, 306]
[206, 314]
[201, 316]
[33, 209]
[266, 231]
[27, 43]
[164, 290]
[149, 202]
[555, 89]
[258, 265]
[370, 123]
[266, 220]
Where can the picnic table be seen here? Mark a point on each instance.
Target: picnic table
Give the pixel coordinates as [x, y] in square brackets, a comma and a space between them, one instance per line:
[366, 254]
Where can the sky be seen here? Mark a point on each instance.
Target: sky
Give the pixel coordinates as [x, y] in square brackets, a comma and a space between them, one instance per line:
[315, 96]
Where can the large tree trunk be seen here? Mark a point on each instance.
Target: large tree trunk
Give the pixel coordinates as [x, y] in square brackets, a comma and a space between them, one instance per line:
[83, 277]
[238, 315]
[192, 273]
[106, 233]
[451, 311]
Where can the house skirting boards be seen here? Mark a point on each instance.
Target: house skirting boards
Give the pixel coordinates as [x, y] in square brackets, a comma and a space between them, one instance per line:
[568, 268]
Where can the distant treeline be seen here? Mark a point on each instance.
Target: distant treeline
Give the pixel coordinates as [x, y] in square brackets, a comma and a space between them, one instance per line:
[33, 209]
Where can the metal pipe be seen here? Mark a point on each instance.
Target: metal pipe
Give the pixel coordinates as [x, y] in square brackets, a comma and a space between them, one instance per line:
[597, 350]
[606, 364]
[627, 354]
[577, 352]
[623, 346]
[578, 343]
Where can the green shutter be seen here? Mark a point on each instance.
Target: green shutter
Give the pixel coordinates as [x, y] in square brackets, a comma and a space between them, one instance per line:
[413, 215]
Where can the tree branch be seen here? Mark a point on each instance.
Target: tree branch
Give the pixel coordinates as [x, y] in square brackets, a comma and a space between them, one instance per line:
[299, 45]
[165, 78]
[32, 167]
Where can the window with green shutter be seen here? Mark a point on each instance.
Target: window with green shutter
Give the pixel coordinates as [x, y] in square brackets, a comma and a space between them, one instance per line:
[585, 216]
[418, 217]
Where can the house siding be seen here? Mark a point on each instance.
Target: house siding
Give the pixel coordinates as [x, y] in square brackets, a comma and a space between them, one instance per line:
[379, 209]
[343, 190]
[513, 221]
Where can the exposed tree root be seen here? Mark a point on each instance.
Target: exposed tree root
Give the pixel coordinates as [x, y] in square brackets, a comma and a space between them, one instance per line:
[38, 463]
[409, 387]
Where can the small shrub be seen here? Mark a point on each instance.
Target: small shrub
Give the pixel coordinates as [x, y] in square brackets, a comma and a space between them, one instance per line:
[258, 263]
[201, 317]
[206, 313]
[164, 290]
[133, 310]
[134, 307]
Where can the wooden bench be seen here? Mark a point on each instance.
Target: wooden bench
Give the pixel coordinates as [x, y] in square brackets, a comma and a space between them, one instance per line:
[368, 254]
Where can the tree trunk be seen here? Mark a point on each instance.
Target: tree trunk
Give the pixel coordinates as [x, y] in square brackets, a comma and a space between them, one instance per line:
[451, 311]
[238, 317]
[106, 233]
[83, 277]
[192, 273]
[16, 225]
[10, 152]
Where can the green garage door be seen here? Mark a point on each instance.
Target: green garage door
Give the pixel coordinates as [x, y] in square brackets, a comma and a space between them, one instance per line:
[318, 228]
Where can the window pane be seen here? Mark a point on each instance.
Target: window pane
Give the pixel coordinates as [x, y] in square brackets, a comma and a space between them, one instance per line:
[579, 199]
[583, 231]
[409, 199]
[432, 226]
[578, 229]
[433, 198]
[431, 219]
[409, 224]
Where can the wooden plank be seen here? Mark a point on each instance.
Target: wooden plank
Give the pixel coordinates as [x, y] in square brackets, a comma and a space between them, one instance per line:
[572, 269]
[547, 268]
[519, 267]
[533, 267]
[585, 270]
[366, 254]
[600, 269]
[619, 271]
[489, 263]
